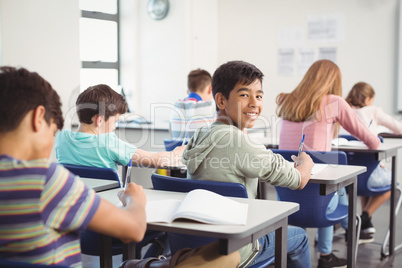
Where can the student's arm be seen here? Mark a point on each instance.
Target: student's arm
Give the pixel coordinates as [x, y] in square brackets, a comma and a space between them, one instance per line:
[348, 119]
[128, 224]
[160, 159]
[388, 121]
[304, 164]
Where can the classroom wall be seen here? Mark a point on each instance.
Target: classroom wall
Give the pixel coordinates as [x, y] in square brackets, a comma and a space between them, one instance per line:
[157, 55]
[42, 36]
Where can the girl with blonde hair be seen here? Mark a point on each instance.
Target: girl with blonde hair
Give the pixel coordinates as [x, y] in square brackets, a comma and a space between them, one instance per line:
[315, 108]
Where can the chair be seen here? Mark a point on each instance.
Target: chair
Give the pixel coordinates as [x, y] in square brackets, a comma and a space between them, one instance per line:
[89, 240]
[313, 206]
[170, 144]
[363, 188]
[16, 264]
[166, 183]
[94, 172]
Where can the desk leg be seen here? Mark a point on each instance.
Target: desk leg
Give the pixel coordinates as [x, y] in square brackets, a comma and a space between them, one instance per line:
[351, 256]
[129, 251]
[281, 244]
[392, 208]
[105, 247]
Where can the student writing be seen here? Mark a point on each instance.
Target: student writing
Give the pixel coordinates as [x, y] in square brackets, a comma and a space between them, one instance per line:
[315, 108]
[361, 98]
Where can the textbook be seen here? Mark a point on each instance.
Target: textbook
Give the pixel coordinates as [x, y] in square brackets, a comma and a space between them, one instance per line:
[198, 205]
[344, 142]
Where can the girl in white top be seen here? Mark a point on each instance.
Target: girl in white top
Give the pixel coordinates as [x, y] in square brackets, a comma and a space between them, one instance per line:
[361, 98]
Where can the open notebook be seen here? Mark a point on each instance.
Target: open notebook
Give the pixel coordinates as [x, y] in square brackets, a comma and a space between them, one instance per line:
[199, 205]
[344, 142]
[317, 168]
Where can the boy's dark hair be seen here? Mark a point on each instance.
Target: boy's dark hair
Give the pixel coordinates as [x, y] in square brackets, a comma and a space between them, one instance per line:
[198, 80]
[99, 100]
[229, 74]
[22, 91]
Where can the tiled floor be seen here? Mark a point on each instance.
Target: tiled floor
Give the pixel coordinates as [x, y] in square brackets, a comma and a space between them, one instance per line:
[368, 255]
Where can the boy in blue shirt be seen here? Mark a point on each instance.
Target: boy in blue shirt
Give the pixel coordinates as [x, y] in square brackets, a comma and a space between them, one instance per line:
[95, 143]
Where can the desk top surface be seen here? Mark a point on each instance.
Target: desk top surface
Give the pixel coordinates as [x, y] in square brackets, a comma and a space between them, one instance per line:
[256, 220]
[384, 148]
[100, 184]
[334, 174]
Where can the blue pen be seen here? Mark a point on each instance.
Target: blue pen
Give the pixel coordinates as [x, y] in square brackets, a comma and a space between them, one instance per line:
[128, 175]
[370, 123]
[185, 139]
[301, 145]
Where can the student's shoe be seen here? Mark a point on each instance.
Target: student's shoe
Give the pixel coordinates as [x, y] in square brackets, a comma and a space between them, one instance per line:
[368, 227]
[364, 238]
[330, 261]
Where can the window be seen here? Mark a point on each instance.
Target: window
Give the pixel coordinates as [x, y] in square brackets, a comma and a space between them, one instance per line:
[99, 43]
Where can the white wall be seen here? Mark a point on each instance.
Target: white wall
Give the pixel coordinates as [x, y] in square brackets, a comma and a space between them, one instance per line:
[248, 31]
[158, 54]
[42, 36]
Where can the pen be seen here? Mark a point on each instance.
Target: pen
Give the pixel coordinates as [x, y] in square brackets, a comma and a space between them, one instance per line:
[370, 123]
[301, 146]
[184, 140]
[128, 175]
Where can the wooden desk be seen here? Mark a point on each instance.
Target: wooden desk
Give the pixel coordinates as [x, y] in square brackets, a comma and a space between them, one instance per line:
[100, 185]
[231, 237]
[385, 150]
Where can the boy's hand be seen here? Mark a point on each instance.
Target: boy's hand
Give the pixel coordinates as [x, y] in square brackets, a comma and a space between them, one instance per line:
[301, 158]
[134, 193]
[304, 164]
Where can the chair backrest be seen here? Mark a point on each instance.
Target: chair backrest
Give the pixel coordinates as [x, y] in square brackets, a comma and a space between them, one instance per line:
[367, 160]
[170, 144]
[166, 183]
[16, 264]
[313, 206]
[94, 172]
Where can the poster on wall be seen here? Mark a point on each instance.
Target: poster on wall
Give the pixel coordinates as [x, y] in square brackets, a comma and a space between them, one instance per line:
[306, 58]
[286, 62]
[326, 28]
[329, 53]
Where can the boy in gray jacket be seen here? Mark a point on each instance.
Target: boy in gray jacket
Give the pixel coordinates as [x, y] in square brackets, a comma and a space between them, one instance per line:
[224, 152]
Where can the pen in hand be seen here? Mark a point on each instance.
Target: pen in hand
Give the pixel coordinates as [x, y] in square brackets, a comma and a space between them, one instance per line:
[128, 175]
[300, 147]
[370, 123]
[184, 140]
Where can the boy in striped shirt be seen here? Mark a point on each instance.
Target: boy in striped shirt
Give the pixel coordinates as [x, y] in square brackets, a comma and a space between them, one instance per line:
[43, 207]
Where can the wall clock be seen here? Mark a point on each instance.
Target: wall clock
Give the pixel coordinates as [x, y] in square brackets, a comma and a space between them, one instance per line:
[158, 9]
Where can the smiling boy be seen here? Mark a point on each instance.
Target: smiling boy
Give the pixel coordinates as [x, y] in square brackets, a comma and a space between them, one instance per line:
[224, 152]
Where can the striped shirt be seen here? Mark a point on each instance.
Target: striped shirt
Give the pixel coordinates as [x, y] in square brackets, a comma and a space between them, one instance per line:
[43, 208]
[190, 114]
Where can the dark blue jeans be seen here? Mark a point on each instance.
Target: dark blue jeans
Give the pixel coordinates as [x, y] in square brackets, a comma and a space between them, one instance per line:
[298, 248]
